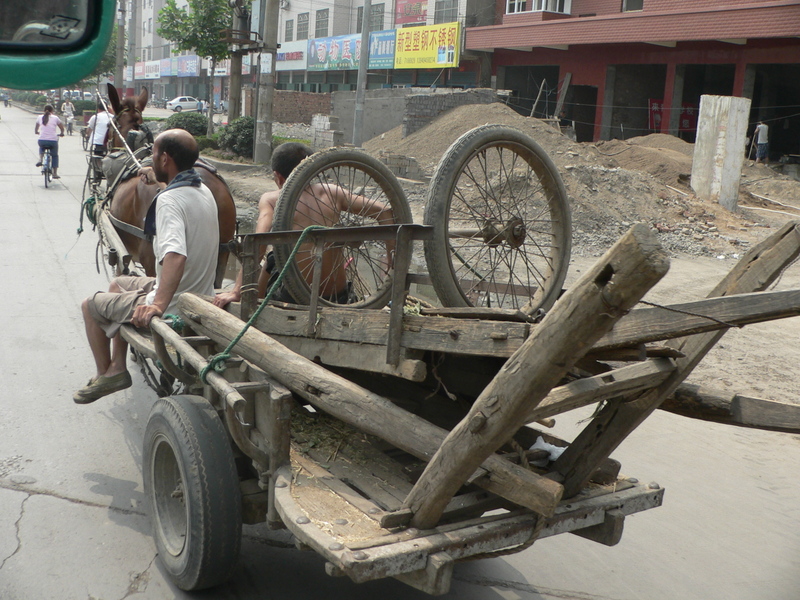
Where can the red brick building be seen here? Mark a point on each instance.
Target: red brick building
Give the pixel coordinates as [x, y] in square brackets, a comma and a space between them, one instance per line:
[631, 67]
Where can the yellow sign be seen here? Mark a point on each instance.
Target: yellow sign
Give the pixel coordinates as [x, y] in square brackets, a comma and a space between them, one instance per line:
[428, 47]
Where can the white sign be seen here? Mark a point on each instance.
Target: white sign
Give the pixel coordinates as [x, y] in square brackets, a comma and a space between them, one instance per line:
[266, 63]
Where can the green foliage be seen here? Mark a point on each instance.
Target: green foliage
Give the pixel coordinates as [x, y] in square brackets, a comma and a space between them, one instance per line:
[204, 143]
[238, 136]
[32, 98]
[197, 29]
[193, 122]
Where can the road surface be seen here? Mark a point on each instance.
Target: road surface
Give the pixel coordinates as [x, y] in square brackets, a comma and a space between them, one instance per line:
[73, 526]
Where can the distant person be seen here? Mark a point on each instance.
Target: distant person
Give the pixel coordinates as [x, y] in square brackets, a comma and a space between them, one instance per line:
[98, 130]
[200, 106]
[68, 110]
[761, 136]
[47, 126]
[321, 205]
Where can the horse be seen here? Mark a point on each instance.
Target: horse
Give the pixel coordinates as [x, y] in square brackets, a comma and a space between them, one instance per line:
[131, 198]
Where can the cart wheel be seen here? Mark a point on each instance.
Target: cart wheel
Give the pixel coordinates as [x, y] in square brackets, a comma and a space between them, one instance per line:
[502, 223]
[192, 492]
[341, 173]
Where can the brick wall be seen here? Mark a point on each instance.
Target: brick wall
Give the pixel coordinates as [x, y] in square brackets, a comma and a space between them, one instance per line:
[421, 109]
[299, 107]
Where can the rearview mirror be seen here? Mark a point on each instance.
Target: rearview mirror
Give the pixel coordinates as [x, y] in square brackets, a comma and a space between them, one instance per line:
[49, 43]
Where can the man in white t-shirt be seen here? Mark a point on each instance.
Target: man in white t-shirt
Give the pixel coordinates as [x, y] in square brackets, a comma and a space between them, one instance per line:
[761, 135]
[186, 244]
[98, 128]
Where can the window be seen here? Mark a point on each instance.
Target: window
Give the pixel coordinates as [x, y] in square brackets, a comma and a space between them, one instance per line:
[375, 18]
[321, 23]
[149, 25]
[302, 26]
[289, 34]
[557, 6]
[446, 11]
[629, 5]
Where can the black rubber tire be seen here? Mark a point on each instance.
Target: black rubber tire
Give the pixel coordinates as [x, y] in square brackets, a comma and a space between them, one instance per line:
[47, 173]
[355, 171]
[178, 108]
[84, 139]
[192, 492]
[503, 194]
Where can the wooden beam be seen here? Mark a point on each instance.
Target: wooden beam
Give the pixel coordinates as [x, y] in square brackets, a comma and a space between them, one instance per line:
[755, 271]
[584, 314]
[361, 408]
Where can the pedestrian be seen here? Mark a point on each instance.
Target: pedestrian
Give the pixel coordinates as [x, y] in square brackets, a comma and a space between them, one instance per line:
[200, 106]
[47, 126]
[185, 242]
[761, 136]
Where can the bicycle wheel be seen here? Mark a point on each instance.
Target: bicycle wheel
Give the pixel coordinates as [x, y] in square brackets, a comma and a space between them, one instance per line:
[84, 139]
[502, 223]
[354, 273]
[46, 168]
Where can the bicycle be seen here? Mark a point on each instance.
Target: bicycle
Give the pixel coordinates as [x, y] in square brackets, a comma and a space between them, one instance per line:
[47, 169]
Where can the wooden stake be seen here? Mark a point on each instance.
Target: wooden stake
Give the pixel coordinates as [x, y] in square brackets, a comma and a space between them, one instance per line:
[581, 317]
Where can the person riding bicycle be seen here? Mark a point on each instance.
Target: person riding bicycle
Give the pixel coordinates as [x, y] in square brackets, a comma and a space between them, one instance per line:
[68, 110]
[48, 124]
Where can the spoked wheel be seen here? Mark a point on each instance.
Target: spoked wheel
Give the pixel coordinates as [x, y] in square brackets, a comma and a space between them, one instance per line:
[192, 491]
[84, 139]
[502, 223]
[341, 188]
[47, 172]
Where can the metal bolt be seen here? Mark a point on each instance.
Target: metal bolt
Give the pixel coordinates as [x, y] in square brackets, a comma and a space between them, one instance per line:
[336, 546]
[303, 521]
[633, 480]
[374, 510]
[280, 484]
[654, 486]
[340, 521]
[360, 555]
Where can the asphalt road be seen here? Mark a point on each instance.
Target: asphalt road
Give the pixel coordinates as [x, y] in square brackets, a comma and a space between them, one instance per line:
[73, 526]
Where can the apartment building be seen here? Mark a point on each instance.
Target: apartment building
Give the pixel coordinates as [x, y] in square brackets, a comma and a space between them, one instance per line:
[630, 67]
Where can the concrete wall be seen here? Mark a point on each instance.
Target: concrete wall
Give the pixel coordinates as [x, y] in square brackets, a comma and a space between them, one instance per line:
[421, 109]
[720, 148]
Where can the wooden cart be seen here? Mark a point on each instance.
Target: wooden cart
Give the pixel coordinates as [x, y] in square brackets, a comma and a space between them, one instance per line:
[396, 442]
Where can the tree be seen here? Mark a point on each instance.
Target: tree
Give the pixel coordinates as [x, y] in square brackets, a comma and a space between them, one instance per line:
[198, 29]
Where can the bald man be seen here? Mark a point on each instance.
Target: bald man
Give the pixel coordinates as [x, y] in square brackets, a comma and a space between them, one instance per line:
[185, 242]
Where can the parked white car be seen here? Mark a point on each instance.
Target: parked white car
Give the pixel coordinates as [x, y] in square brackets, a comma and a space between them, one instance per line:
[182, 103]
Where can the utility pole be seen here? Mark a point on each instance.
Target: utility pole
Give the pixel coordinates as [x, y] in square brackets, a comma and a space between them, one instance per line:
[133, 30]
[361, 82]
[270, 14]
[241, 25]
[119, 68]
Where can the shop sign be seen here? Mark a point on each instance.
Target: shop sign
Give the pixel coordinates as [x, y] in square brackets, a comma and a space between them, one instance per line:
[428, 47]
[139, 70]
[152, 69]
[410, 11]
[343, 52]
[188, 66]
[687, 121]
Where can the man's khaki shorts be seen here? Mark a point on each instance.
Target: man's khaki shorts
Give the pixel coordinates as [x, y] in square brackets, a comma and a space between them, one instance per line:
[111, 309]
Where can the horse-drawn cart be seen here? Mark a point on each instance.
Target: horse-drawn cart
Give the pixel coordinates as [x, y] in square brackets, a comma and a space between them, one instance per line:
[398, 440]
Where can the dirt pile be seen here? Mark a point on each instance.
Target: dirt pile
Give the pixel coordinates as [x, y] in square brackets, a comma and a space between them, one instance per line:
[613, 184]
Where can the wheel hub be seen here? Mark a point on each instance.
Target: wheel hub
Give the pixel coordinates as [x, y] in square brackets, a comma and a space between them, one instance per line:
[495, 233]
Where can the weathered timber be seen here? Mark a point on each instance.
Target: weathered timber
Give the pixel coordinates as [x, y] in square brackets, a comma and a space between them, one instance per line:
[657, 323]
[754, 272]
[360, 408]
[701, 402]
[619, 382]
[584, 314]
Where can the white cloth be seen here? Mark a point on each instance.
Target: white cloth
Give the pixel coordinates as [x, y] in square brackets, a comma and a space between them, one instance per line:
[99, 126]
[762, 132]
[186, 223]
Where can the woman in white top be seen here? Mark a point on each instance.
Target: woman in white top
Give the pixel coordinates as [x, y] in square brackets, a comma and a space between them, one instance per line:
[47, 126]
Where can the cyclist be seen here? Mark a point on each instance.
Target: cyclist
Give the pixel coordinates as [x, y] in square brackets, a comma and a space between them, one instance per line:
[68, 110]
[97, 129]
[48, 124]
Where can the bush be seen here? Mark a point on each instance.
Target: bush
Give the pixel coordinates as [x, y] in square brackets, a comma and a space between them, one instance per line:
[193, 122]
[204, 143]
[238, 136]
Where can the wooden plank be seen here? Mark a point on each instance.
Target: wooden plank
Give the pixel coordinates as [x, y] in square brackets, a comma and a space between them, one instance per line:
[759, 412]
[651, 324]
[359, 407]
[755, 271]
[350, 355]
[484, 314]
[578, 319]
[619, 382]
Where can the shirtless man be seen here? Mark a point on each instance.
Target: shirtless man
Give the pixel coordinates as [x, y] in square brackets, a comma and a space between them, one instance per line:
[322, 204]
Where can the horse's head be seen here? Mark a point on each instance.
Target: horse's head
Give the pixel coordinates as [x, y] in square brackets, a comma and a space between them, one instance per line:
[127, 113]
